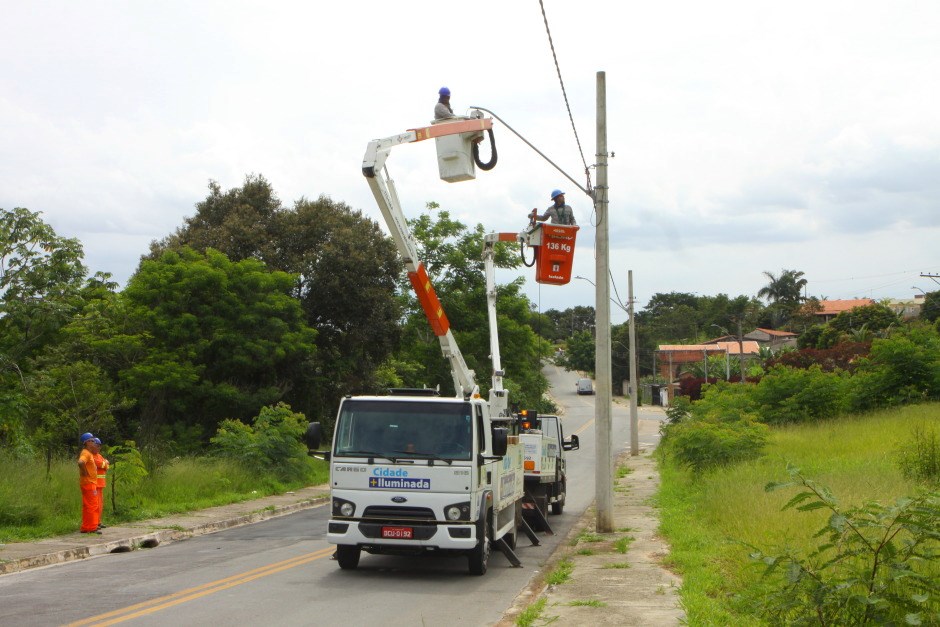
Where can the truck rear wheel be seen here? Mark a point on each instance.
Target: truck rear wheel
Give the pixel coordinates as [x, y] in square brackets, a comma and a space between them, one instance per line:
[479, 557]
[559, 505]
[347, 556]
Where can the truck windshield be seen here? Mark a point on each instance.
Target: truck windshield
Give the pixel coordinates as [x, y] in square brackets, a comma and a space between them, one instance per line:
[405, 430]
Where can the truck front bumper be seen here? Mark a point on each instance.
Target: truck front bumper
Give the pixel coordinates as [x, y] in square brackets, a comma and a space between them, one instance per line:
[426, 536]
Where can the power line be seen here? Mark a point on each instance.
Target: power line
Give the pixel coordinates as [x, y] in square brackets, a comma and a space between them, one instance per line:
[587, 171]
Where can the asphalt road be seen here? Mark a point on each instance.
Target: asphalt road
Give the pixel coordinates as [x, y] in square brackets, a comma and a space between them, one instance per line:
[279, 571]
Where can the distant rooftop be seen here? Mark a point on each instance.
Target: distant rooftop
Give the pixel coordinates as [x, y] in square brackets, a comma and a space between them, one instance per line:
[835, 307]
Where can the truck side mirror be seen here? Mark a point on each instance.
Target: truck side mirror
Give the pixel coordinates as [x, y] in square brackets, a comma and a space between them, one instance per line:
[571, 444]
[500, 441]
[313, 436]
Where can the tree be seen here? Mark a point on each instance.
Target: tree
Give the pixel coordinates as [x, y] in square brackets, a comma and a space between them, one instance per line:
[579, 352]
[68, 398]
[930, 310]
[40, 276]
[874, 317]
[345, 269]
[784, 293]
[452, 256]
[197, 338]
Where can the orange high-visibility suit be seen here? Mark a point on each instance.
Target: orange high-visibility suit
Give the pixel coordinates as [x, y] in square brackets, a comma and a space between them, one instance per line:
[88, 482]
[101, 467]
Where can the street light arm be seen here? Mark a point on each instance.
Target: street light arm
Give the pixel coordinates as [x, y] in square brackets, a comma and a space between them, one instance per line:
[612, 299]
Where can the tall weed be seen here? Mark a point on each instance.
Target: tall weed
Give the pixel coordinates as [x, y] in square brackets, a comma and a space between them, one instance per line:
[870, 566]
[919, 456]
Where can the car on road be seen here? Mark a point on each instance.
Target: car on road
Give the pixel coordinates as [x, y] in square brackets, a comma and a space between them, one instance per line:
[585, 386]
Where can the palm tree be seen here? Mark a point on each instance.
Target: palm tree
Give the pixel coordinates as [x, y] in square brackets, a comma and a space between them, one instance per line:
[784, 293]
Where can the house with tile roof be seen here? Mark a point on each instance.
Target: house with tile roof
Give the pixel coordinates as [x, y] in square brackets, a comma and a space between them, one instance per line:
[671, 357]
[772, 338]
[832, 308]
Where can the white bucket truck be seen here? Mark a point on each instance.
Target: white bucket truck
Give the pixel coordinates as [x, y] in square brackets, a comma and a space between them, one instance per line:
[412, 472]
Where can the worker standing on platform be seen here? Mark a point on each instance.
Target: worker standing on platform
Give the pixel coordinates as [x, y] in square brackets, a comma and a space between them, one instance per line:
[559, 212]
[102, 465]
[88, 482]
[442, 109]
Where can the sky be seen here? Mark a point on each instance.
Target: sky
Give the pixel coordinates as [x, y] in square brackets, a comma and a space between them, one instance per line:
[746, 136]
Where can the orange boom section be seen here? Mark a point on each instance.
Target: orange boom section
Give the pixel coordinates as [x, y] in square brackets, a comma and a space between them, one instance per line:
[429, 301]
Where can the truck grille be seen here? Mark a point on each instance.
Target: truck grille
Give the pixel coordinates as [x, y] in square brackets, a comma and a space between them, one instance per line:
[394, 512]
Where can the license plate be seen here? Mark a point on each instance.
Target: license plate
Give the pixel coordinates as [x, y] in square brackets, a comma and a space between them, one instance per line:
[398, 533]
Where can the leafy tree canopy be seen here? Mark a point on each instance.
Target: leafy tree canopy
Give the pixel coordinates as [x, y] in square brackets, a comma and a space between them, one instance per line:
[452, 254]
[40, 276]
[345, 275]
[195, 338]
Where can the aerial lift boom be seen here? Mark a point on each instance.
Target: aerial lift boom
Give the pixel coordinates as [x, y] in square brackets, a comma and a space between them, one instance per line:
[383, 188]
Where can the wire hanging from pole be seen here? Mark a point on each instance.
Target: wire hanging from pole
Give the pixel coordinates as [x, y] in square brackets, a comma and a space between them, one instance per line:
[551, 43]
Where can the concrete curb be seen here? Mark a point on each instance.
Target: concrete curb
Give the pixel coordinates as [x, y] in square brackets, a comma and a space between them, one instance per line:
[154, 538]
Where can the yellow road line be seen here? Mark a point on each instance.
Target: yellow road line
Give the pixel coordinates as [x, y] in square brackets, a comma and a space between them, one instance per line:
[176, 598]
[585, 427]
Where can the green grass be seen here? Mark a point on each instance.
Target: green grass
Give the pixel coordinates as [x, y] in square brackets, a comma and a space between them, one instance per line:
[588, 603]
[855, 457]
[616, 565]
[622, 544]
[561, 573]
[531, 614]
[36, 506]
[586, 552]
[623, 471]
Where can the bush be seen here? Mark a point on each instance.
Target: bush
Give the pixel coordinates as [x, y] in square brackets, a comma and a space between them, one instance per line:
[871, 566]
[901, 369]
[844, 356]
[272, 442]
[919, 457]
[787, 395]
[702, 444]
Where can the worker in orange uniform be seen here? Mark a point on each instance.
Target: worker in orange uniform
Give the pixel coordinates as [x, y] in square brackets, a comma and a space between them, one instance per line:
[102, 465]
[88, 482]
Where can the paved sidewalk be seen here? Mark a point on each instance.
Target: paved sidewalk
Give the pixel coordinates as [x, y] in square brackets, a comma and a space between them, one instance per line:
[607, 587]
[20, 556]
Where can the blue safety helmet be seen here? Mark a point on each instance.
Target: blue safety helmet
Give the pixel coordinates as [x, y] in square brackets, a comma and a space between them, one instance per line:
[443, 91]
[556, 192]
[98, 441]
[85, 437]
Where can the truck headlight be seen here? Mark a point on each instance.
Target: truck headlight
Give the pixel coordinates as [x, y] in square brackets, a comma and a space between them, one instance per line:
[457, 511]
[342, 507]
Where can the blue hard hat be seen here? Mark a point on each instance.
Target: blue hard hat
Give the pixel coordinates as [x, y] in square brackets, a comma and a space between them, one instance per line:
[443, 91]
[98, 441]
[85, 437]
[556, 192]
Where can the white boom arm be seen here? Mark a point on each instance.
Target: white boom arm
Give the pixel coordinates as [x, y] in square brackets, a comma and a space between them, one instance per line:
[499, 399]
[383, 188]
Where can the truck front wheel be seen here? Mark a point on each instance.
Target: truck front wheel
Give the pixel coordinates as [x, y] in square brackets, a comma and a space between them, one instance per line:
[347, 556]
[479, 557]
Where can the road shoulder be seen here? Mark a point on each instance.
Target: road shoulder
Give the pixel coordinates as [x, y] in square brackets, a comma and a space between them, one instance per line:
[607, 586]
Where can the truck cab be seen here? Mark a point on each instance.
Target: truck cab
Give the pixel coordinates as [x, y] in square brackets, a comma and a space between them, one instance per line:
[421, 474]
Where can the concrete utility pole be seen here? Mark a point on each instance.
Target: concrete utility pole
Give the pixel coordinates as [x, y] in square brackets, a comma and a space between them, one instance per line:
[741, 349]
[634, 420]
[604, 469]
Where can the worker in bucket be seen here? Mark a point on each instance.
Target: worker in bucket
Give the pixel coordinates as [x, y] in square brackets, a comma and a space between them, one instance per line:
[559, 212]
[442, 109]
